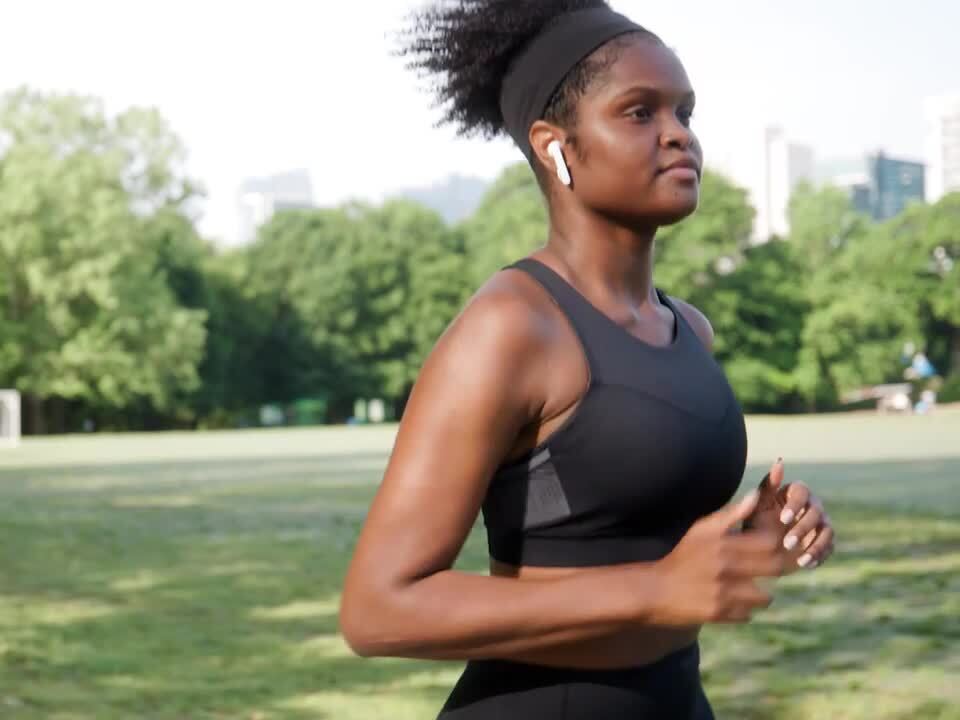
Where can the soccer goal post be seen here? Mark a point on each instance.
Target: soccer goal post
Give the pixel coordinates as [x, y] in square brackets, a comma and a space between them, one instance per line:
[9, 418]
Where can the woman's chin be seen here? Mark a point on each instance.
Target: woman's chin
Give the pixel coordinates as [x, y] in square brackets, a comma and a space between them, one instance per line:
[664, 211]
[679, 209]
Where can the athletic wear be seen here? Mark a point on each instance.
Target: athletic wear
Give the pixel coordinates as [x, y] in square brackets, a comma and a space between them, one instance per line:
[657, 442]
[668, 689]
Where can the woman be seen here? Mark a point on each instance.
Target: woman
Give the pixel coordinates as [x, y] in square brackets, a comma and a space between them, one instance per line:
[574, 403]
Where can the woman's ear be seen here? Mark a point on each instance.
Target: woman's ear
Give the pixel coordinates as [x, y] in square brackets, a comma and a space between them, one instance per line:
[547, 142]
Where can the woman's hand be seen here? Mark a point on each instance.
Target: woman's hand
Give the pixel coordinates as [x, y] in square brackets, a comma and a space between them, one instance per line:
[710, 576]
[791, 508]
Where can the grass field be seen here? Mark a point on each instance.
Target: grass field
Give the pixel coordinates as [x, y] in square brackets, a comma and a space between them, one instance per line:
[196, 576]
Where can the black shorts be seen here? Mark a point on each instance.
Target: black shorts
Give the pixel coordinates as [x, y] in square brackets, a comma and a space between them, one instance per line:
[498, 689]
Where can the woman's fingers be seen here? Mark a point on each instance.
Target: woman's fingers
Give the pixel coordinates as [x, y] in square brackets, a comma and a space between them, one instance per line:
[797, 495]
[810, 520]
[819, 550]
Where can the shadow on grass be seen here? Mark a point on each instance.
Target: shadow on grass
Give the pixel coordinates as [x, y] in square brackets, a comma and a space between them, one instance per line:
[216, 595]
[168, 475]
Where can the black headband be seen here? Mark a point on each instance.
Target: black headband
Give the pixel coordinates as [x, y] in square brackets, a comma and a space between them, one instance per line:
[537, 73]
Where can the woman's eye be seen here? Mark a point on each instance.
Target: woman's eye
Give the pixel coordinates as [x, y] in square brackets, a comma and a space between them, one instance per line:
[685, 115]
[641, 113]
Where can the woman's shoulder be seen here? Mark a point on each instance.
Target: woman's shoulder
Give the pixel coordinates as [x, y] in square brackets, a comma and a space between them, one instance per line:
[696, 319]
[498, 336]
[511, 304]
[491, 353]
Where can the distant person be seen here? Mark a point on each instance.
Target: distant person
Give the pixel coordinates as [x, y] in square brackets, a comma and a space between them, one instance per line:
[575, 403]
[923, 377]
[927, 402]
[920, 368]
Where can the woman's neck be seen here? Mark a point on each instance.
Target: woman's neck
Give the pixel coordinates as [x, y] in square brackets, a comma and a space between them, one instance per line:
[611, 262]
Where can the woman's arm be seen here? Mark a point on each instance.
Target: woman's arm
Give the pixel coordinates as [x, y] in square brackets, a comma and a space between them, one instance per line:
[482, 385]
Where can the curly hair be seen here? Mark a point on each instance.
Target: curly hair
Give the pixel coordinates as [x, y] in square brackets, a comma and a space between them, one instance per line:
[468, 46]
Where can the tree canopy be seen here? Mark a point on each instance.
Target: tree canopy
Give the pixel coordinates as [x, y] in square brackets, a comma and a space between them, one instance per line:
[113, 307]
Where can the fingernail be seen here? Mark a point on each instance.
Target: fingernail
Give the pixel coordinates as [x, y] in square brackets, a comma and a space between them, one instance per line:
[786, 517]
[805, 560]
[790, 542]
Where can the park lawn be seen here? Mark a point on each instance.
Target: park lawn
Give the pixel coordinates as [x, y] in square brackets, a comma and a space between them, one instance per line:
[196, 576]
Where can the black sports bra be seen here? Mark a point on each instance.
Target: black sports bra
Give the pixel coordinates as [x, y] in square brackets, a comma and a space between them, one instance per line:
[657, 442]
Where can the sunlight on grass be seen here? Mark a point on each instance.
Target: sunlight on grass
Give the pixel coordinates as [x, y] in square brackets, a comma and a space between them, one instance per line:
[919, 692]
[330, 645]
[159, 501]
[128, 682]
[296, 610]
[350, 706]
[18, 611]
[238, 568]
[140, 581]
[398, 700]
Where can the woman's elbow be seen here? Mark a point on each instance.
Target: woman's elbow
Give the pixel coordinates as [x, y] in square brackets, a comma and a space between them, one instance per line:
[358, 628]
[360, 645]
[370, 627]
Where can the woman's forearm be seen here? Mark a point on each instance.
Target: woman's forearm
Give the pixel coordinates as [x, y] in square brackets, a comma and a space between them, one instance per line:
[452, 615]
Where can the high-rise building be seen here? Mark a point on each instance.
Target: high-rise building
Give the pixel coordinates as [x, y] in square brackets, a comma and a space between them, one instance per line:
[894, 184]
[787, 165]
[881, 186]
[260, 198]
[857, 185]
[769, 167]
[942, 145]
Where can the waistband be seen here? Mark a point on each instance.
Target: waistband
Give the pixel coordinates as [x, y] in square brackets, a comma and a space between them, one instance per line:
[684, 661]
[597, 550]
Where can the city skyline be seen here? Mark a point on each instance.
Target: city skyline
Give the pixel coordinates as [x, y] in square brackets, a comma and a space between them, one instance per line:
[256, 90]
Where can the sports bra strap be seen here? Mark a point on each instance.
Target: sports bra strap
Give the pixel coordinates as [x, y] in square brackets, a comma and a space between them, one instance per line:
[570, 302]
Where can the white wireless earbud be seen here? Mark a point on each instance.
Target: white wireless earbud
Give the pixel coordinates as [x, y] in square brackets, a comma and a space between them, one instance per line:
[557, 154]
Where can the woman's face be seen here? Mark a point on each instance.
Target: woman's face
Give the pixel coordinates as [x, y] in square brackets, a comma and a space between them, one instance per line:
[636, 159]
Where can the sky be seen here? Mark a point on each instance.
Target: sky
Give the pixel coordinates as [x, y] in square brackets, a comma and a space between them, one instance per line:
[254, 88]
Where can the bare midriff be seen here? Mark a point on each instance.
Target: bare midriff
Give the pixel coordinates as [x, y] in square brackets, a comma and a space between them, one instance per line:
[629, 648]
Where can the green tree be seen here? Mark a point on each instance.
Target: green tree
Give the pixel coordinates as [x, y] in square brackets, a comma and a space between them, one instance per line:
[851, 341]
[912, 259]
[289, 275]
[86, 315]
[822, 223]
[858, 320]
[435, 281]
[923, 268]
[257, 349]
[692, 256]
[510, 223]
[758, 312]
[373, 286]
